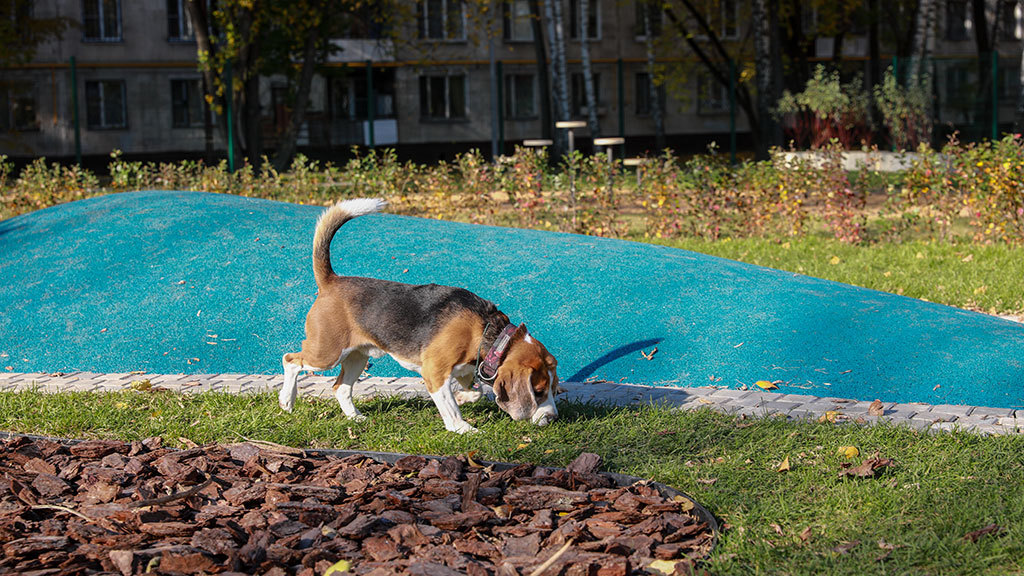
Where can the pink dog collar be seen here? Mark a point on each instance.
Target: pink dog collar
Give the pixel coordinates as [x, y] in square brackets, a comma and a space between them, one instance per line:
[487, 369]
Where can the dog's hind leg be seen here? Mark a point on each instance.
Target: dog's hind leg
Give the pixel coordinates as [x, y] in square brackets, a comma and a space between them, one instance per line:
[290, 388]
[352, 366]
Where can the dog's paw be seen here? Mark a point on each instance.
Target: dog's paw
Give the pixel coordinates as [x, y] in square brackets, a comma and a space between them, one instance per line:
[286, 405]
[466, 396]
[357, 417]
[543, 419]
[463, 428]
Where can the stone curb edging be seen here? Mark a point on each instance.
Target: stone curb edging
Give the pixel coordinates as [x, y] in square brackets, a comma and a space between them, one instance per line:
[752, 403]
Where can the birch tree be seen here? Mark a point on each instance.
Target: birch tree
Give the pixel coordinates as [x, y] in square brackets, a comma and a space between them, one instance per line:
[557, 65]
[654, 94]
[588, 71]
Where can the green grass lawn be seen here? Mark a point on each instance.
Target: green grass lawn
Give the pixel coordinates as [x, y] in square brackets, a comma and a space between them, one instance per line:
[974, 276]
[910, 519]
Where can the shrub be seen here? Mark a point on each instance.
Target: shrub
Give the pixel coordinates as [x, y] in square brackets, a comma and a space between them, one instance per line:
[906, 111]
[827, 110]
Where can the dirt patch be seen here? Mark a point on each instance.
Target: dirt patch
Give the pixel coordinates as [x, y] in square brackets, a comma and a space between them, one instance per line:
[134, 508]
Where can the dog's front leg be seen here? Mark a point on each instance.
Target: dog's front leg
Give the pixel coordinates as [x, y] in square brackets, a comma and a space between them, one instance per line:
[462, 387]
[437, 382]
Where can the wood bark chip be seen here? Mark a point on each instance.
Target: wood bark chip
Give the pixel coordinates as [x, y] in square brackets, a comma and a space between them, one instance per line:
[111, 507]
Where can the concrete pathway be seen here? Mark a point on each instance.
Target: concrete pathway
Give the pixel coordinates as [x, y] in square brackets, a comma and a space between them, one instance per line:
[753, 403]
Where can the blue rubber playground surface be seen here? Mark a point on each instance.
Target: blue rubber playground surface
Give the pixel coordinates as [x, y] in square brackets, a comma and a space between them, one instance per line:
[185, 282]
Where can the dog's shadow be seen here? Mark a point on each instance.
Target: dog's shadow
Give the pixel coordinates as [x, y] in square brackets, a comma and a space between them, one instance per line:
[632, 348]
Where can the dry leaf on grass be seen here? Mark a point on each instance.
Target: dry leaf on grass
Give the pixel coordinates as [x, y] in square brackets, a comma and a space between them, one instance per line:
[848, 452]
[784, 466]
[845, 547]
[977, 534]
[866, 469]
[805, 534]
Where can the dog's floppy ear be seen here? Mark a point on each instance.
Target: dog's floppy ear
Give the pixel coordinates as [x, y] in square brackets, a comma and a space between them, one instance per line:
[513, 392]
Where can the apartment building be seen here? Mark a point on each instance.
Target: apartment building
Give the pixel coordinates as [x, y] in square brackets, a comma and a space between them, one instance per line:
[137, 87]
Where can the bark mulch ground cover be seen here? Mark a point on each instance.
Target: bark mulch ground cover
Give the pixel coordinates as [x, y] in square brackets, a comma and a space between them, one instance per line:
[109, 507]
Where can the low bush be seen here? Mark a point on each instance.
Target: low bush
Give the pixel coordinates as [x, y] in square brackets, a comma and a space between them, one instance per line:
[964, 192]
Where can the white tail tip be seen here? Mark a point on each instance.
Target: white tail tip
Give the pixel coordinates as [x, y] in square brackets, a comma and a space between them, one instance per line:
[361, 206]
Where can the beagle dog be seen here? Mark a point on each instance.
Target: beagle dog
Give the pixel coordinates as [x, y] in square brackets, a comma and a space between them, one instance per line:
[448, 335]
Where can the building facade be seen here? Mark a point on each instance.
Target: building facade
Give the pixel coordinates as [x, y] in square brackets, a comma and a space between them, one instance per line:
[449, 79]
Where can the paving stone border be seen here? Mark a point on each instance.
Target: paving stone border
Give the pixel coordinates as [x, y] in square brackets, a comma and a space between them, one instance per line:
[751, 403]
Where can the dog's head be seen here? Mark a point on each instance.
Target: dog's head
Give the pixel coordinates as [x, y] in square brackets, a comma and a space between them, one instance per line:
[527, 380]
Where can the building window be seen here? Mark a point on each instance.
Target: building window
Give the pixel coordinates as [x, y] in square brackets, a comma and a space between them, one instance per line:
[655, 15]
[593, 19]
[18, 108]
[723, 18]
[442, 19]
[186, 103]
[517, 22]
[101, 20]
[712, 96]
[520, 96]
[179, 24]
[579, 94]
[443, 97]
[644, 105]
[957, 21]
[105, 105]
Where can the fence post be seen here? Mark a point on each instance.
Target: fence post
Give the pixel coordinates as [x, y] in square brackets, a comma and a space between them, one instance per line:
[995, 94]
[501, 108]
[732, 111]
[229, 96]
[371, 103]
[74, 112]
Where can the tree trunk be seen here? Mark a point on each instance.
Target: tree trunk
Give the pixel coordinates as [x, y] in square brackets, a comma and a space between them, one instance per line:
[765, 72]
[199, 14]
[542, 69]
[923, 25]
[287, 146]
[1018, 117]
[655, 97]
[560, 94]
[588, 71]
[985, 45]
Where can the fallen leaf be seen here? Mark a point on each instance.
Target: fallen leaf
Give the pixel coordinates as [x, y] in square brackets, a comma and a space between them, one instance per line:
[685, 504]
[521, 446]
[885, 545]
[848, 451]
[708, 481]
[876, 408]
[829, 416]
[187, 443]
[936, 386]
[845, 547]
[784, 466]
[649, 355]
[469, 459]
[666, 567]
[766, 384]
[338, 568]
[967, 258]
[351, 434]
[705, 401]
[867, 468]
[805, 534]
[778, 529]
[835, 260]
[141, 385]
[977, 534]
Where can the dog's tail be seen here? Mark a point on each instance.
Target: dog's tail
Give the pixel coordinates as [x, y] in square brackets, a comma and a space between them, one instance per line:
[328, 224]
